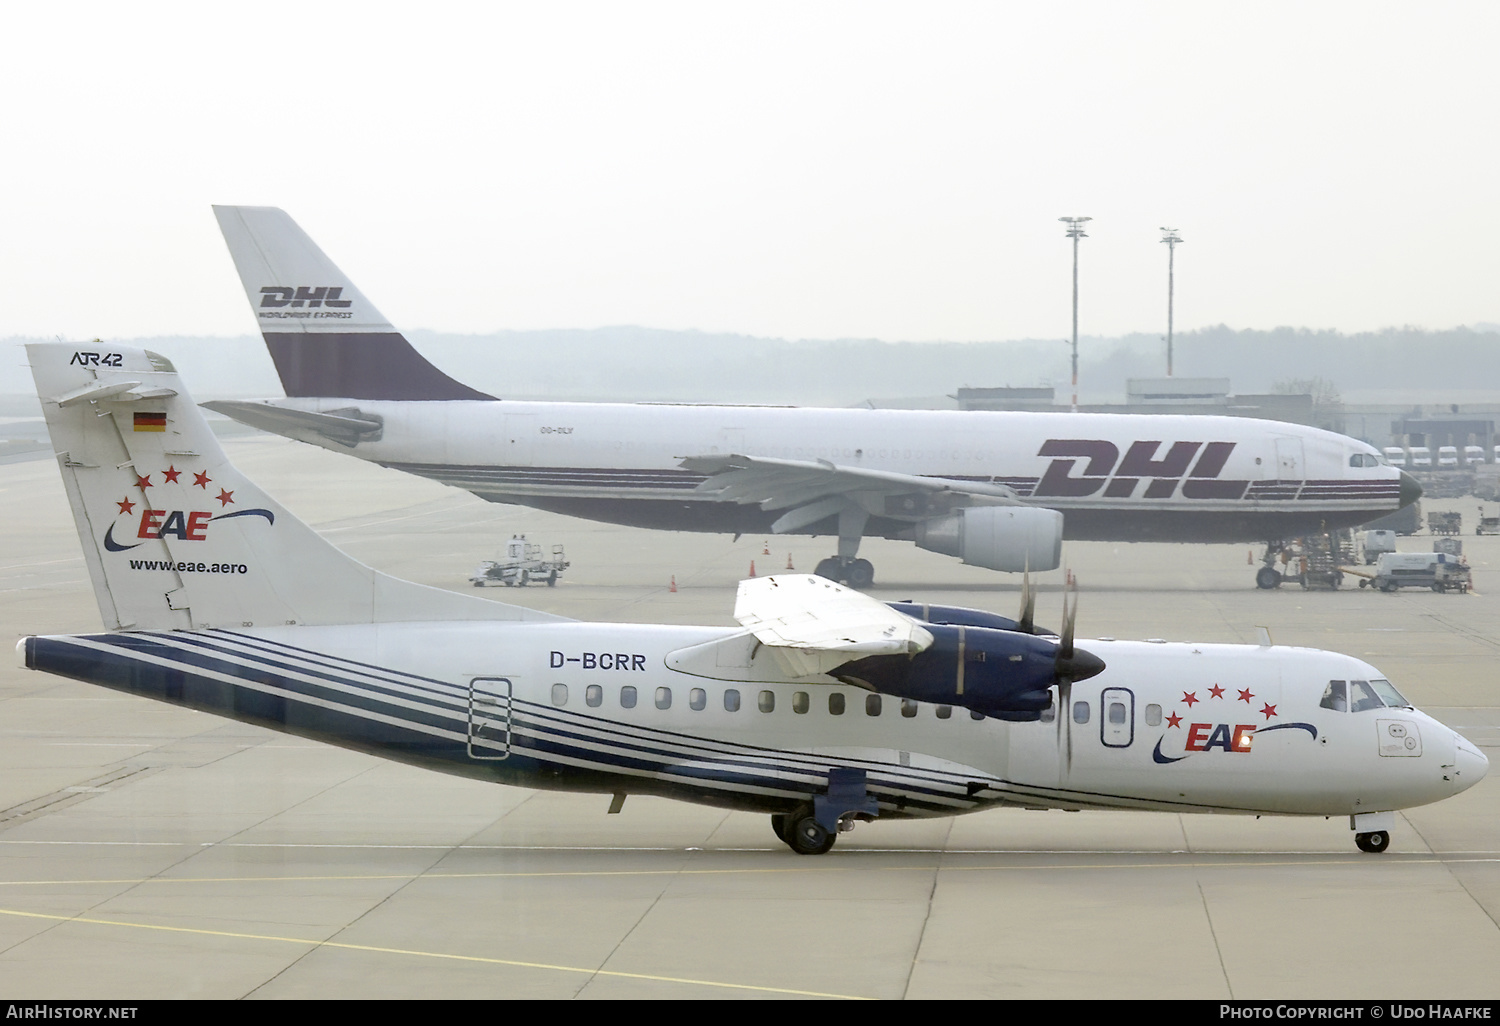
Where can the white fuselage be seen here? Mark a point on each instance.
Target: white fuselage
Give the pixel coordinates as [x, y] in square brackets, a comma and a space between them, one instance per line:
[1115, 477]
[598, 707]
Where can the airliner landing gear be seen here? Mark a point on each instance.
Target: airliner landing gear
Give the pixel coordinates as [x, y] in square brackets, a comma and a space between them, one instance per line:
[1268, 576]
[845, 568]
[1373, 843]
[854, 573]
[803, 833]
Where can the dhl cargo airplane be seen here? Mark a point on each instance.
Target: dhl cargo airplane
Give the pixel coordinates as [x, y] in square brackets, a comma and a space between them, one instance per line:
[824, 709]
[998, 490]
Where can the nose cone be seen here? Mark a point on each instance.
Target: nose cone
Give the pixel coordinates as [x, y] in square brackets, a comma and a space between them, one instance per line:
[1411, 489]
[1470, 764]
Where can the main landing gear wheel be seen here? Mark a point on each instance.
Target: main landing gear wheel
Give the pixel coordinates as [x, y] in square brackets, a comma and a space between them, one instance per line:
[858, 574]
[1267, 578]
[805, 835]
[778, 826]
[1374, 843]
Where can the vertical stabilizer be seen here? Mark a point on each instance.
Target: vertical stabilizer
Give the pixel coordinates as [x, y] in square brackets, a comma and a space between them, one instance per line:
[174, 536]
[325, 337]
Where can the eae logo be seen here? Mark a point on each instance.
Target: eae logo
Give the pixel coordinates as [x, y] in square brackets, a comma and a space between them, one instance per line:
[1104, 470]
[184, 525]
[303, 295]
[1200, 739]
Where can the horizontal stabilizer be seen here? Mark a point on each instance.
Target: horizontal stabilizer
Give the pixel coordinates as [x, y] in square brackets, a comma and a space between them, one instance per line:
[346, 427]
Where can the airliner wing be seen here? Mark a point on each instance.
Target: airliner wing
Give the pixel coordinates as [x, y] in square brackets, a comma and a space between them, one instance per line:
[811, 624]
[809, 485]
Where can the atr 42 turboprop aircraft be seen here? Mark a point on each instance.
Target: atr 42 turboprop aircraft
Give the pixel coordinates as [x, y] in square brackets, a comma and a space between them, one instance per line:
[998, 490]
[825, 708]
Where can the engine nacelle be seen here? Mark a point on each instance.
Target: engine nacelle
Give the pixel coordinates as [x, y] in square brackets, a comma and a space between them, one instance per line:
[1010, 538]
[999, 673]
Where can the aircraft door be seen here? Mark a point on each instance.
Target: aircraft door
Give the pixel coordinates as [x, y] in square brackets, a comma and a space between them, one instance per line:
[1117, 717]
[489, 718]
[1289, 465]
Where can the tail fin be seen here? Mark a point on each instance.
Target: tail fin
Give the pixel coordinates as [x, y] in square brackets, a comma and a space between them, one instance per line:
[326, 338]
[174, 536]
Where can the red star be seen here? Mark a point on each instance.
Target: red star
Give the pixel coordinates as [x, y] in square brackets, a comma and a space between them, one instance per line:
[170, 475]
[1216, 691]
[125, 505]
[1174, 720]
[1190, 697]
[1245, 696]
[1269, 710]
[225, 498]
[202, 480]
[143, 482]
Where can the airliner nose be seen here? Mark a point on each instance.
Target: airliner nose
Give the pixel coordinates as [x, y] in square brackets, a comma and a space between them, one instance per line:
[1470, 765]
[1411, 489]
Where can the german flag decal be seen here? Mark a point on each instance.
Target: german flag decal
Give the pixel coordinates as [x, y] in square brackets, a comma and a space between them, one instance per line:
[150, 421]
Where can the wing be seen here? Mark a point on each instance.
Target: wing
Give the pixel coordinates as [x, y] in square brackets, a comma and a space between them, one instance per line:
[813, 489]
[811, 624]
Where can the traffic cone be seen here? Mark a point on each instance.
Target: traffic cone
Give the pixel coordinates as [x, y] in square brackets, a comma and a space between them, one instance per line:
[1249, 557]
[752, 568]
[789, 562]
[765, 549]
[673, 587]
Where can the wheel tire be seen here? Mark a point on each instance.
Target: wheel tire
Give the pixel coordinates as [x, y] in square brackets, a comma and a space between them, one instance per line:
[860, 574]
[1373, 843]
[1267, 578]
[1389, 587]
[479, 584]
[828, 568]
[805, 835]
[778, 827]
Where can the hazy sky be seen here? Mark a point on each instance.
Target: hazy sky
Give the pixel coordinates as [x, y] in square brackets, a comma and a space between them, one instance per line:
[799, 170]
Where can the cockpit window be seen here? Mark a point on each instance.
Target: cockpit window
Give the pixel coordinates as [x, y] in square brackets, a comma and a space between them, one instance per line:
[1335, 697]
[1363, 697]
[1365, 459]
[1392, 697]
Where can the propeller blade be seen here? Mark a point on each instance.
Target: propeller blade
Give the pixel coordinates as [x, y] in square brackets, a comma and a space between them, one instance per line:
[1027, 620]
[1070, 617]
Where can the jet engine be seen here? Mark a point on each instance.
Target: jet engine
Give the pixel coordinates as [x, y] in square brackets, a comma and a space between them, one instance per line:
[1010, 538]
[1000, 673]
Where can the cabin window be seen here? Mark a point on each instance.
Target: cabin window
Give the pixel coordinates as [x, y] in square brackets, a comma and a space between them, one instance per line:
[1153, 715]
[872, 705]
[731, 700]
[1117, 713]
[559, 694]
[593, 696]
[767, 701]
[836, 703]
[1335, 697]
[1362, 697]
[627, 697]
[697, 699]
[1080, 712]
[908, 708]
[944, 711]
[664, 698]
[800, 702]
